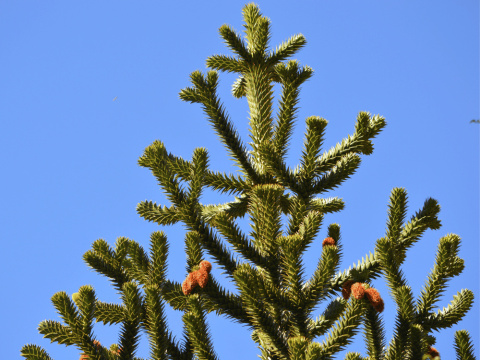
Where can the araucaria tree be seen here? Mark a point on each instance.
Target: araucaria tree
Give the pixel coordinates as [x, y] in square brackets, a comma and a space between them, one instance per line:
[274, 299]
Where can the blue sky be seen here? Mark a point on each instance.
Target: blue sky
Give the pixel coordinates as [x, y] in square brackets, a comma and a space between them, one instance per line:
[69, 152]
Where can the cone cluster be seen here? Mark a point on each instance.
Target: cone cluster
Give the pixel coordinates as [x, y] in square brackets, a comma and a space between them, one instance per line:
[198, 277]
[328, 242]
[359, 291]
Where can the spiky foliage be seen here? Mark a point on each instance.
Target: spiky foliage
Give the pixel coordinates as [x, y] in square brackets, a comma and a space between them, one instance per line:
[415, 321]
[463, 345]
[274, 298]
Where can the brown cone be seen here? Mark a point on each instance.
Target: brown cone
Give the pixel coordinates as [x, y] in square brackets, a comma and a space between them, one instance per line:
[358, 291]
[375, 299]
[328, 242]
[205, 265]
[202, 278]
[189, 283]
[433, 352]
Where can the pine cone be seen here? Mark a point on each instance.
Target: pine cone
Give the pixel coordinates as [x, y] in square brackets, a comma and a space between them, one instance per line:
[328, 242]
[375, 299]
[433, 352]
[189, 283]
[206, 266]
[358, 291]
[202, 277]
[198, 277]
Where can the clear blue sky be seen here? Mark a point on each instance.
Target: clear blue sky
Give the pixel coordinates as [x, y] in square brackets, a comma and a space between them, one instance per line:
[69, 152]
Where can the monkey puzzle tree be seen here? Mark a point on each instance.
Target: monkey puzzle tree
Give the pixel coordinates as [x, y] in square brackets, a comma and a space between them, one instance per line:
[274, 300]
